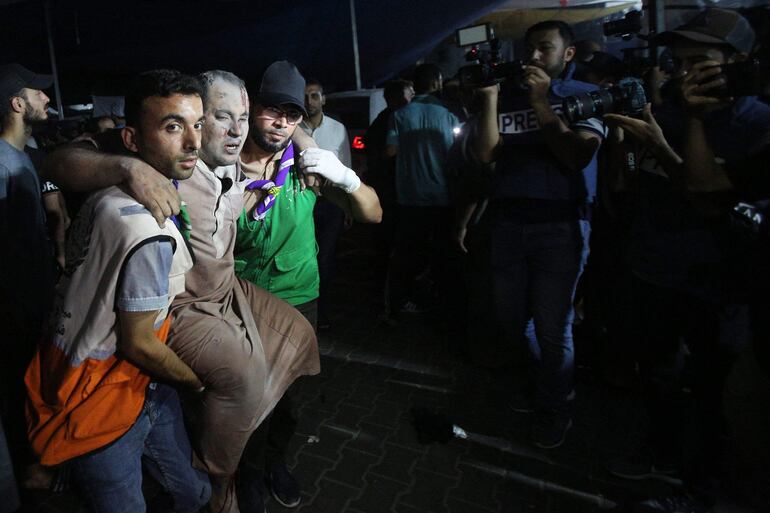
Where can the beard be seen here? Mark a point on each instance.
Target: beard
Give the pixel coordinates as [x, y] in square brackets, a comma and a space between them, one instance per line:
[312, 112]
[263, 142]
[34, 116]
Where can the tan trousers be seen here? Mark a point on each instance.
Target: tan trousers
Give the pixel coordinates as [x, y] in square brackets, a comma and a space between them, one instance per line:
[247, 350]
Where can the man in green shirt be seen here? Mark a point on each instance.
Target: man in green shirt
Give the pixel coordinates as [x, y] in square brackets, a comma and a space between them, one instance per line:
[275, 246]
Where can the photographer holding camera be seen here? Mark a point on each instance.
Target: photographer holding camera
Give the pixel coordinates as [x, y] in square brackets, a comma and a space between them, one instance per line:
[546, 183]
[690, 267]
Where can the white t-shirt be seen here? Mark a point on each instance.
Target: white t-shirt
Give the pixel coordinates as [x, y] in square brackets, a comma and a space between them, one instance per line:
[331, 135]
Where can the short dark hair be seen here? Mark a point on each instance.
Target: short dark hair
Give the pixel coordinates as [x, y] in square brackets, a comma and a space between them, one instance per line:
[394, 89]
[158, 82]
[5, 107]
[92, 125]
[565, 31]
[316, 82]
[424, 77]
[207, 79]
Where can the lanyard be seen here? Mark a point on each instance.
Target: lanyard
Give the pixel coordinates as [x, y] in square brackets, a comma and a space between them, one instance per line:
[182, 221]
[272, 188]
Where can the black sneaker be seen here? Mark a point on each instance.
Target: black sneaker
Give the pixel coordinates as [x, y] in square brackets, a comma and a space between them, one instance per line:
[640, 466]
[283, 487]
[521, 403]
[250, 491]
[549, 430]
[682, 503]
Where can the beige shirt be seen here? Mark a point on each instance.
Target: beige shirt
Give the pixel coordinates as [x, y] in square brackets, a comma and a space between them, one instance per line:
[255, 171]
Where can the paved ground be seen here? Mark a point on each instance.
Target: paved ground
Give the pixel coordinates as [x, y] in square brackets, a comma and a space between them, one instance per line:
[357, 449]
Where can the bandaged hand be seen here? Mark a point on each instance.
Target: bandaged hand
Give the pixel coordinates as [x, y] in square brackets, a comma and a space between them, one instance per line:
[324, 163]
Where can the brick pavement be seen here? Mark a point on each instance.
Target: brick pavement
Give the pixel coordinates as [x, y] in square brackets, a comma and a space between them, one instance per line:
[356, 449]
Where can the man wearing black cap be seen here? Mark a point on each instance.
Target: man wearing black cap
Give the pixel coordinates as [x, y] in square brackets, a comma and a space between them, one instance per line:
[276, 244]
[276, 236]
[686, 263]
[26, 258]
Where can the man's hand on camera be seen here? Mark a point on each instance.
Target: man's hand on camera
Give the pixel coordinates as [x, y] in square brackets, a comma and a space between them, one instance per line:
[699, 85]
[151, 189]
[646, 131]
[539, 83]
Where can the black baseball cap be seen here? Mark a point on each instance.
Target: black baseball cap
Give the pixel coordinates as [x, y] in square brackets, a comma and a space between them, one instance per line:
[716, 26]
[15, 77]
[282, 83]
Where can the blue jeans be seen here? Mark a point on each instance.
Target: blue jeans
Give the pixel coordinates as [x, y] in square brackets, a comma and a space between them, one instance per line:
[111, 477]
[536, 269]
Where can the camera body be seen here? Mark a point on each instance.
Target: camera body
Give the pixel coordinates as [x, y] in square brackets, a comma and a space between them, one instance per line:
[746, 78]
[486, 66]
[626, 97]
[481, 74]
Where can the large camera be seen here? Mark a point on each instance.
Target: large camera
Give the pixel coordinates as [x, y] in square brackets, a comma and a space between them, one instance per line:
[627, 27]
[626, 97]
[747, 78]
[487, 67]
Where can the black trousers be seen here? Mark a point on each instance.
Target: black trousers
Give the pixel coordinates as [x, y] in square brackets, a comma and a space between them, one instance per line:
[422, 242]
[686, 432]
[329, 225]
[269, 441]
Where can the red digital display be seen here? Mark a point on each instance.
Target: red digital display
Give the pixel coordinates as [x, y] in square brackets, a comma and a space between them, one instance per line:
[358, 143]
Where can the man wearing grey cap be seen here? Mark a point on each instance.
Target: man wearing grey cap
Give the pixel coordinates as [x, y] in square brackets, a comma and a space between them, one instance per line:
[688, 283]
[26, 257]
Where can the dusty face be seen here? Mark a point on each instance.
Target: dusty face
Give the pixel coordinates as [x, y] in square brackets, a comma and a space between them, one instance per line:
[169, 134]
[546, 50]
[273, 126]
[314, 100]
[227, 124]
[36, 105]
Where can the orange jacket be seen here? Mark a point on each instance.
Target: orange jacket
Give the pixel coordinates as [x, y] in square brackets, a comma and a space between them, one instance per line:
[74, 410]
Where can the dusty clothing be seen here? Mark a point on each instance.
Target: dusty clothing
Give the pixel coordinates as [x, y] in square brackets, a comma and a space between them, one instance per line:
[246, 345]
[81, 396]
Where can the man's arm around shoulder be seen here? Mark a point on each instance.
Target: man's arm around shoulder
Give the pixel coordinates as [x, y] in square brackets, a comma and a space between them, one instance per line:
[83, 168]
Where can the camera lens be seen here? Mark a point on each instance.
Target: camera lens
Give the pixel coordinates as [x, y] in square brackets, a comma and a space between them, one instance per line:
[588, 105]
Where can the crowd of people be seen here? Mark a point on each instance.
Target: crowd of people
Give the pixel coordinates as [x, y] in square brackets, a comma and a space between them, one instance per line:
[669, 201]
[163, 303]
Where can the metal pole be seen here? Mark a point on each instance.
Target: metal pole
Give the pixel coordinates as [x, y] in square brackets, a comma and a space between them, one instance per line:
[657, 12]
[355, 44]
[52, 53]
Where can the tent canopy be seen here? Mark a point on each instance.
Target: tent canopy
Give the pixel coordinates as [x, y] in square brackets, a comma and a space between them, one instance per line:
[99, 44]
